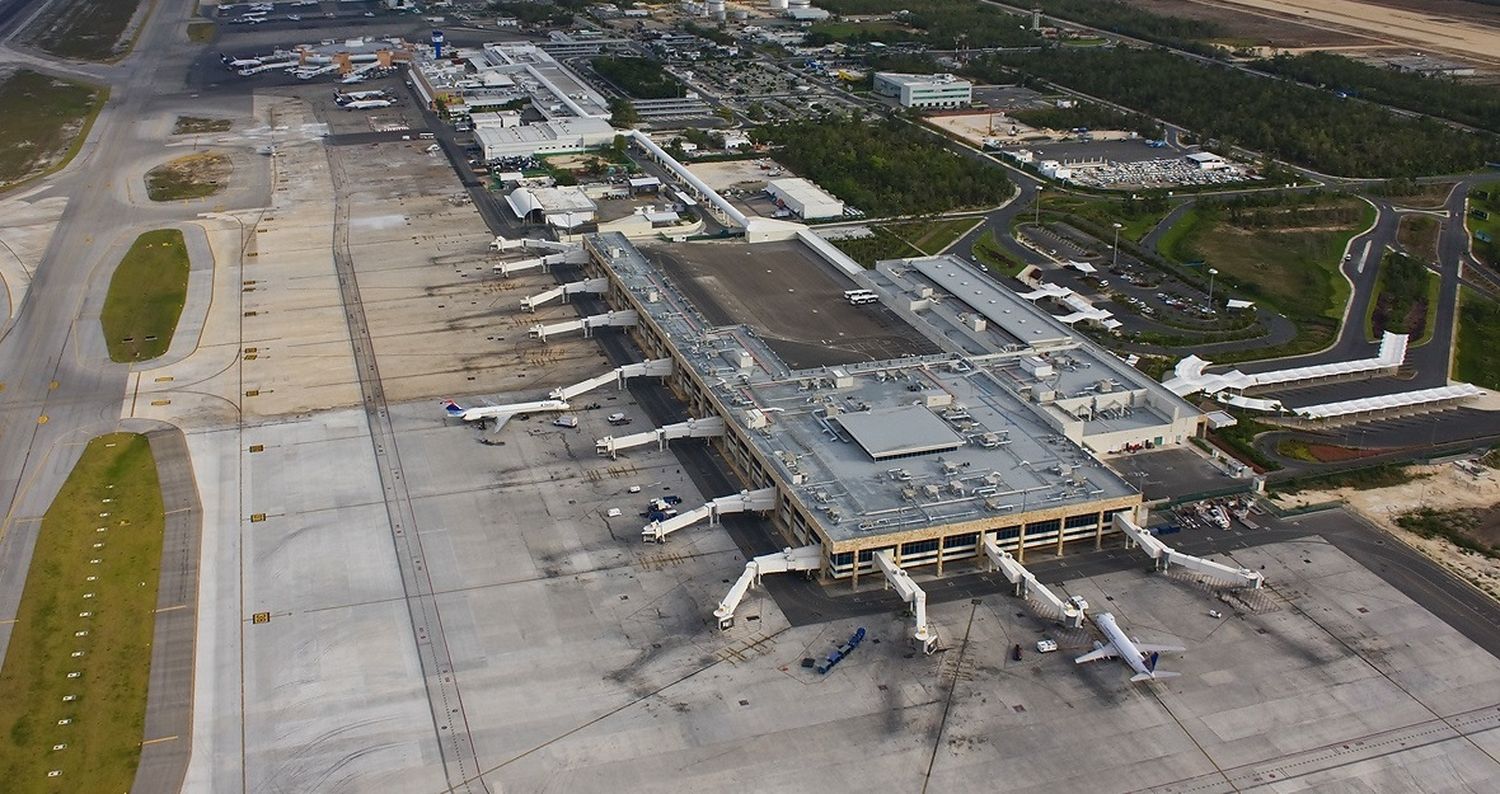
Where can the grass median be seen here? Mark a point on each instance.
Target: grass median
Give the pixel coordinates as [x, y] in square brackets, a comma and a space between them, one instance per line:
[43, 121]
[90, 30]
[146, 296]
[73, 686]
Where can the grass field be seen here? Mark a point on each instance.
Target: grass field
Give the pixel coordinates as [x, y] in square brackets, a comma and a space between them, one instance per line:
[1483, 222]
[1136, 218]
[44, 119]
[194, 125]
[191, 177]
[995, 259]
[882, 245]
[146, 296]
[87, 609]
[201, 31]
[1477, 360]
[931, 237]
[1418, 234]
[1405, 292]
[88, 30]
[1293, 268]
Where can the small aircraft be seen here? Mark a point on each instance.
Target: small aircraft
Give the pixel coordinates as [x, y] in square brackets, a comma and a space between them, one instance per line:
[1140, 657]
[239, 63]
[500, 414]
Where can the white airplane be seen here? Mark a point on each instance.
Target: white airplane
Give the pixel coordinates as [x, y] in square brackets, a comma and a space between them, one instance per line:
[239, 63]
[367, 104]
[1134, 654]
[354, 96]
[500, 414]
[352, 78]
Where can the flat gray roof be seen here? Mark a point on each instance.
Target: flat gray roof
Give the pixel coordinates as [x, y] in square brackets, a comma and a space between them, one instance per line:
[898, 432]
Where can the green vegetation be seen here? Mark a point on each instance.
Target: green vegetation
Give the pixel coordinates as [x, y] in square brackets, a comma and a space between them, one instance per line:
[944, 24]
[885, 168]
[1383, 475]
[1239, 440]
[191, 177]
[1418, 234]
[883, 244]
[641, 78]
[1118, 17]
[931, 237]
[201, 31]
[1295, 449]
[557, 13]
[1283, 249]
[1410, 193]
[146, 296]
[823, 33]
[1477, 359]
[622, 114]
[1091, 116]
[104, 637]
[1280, 118]
[905, 240]
[1483, 222]
[1460, 526]
[995, 258]
[1405, 294]
[1136, 216]
[88, 30]
[43, 121]
[194, 125]
[1468, 103]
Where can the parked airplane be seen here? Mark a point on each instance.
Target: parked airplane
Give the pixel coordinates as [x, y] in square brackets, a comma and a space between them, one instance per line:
[500, 414]
[1131, 652]
[368, 104]
[239, 63]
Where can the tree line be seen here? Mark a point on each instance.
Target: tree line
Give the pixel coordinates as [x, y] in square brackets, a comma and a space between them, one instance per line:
[1475, 105]
[1287, 120]
[884, 168]
[641, 78]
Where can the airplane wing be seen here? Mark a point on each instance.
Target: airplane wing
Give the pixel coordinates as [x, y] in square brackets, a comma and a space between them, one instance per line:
[1107, 652]
[1153, 676]
[498, 421]
[1148, 648]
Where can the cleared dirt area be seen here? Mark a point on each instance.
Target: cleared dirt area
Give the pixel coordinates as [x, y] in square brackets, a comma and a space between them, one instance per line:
[791, 298]
[1461, 34]
[190, 177]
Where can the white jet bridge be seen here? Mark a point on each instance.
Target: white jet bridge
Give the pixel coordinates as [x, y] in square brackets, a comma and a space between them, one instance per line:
[532, 244]
[1027, 585]
[742, 502]
[707, 427]
[898, 578]
[805, 558]
[1165, 556]
[624, 318]
[546, 261]
[588, 286]
[653, 368]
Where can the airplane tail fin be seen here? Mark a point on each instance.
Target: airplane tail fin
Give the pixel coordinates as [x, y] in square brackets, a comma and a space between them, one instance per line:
[453, 408]
[1153, 675]
[1151, 662]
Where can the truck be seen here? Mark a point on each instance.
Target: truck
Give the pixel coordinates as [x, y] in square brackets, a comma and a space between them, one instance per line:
[565, 421]
[618, 419]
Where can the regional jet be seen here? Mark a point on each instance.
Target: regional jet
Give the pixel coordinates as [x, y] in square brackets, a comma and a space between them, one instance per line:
[500, 414]
[1141, 657]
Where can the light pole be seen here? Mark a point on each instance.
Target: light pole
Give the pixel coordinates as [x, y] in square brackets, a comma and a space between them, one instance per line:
[1211, 273]
[1116, 263]
[1038, 221]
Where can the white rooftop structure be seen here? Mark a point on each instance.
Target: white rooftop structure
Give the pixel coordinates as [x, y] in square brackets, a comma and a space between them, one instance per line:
[806, 199]
[1189, 377]
[563, 207]
[1387, 402]
[899, 432]
[924, 90]
[547, 137]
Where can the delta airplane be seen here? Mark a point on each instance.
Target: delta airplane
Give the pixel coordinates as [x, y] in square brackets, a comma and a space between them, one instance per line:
[500, 414]
[1131, 652]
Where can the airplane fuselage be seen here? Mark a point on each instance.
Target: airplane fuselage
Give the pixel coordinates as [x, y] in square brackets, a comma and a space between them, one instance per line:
[1124, 646]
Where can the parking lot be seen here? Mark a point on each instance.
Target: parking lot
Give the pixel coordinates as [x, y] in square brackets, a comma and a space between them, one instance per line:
[1132, 163]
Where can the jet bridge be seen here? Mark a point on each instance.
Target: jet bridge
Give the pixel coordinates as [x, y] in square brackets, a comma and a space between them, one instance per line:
[624, 318]
[911, 594]
[1026, 583]
[708, 427]
[590, 286]
[742, 502]
[532, 244]
[806, 558]
[545, 261]
[653, 368]
[1165, 556]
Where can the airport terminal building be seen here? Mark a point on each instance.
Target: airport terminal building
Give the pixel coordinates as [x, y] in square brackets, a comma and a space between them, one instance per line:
[911, 425]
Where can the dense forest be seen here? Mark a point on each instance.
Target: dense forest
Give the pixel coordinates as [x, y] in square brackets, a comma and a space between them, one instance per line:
[1475, 105]
[885, 168]
[1090, 115]
[641, 78]
[1294, 122]
[945, 24]
[1129, 20]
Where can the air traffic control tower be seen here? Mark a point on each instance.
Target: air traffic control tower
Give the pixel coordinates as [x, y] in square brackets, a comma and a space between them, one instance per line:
[968, 429]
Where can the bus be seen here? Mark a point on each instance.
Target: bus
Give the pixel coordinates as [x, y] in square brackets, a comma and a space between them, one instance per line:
[860, 297]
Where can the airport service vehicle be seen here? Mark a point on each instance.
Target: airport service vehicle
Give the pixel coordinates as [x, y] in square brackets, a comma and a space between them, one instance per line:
[565, 421]
[618, 419]
[1138, 656]
[1045, 645]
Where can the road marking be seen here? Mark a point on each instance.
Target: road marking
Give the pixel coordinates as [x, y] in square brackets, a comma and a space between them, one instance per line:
[159, 740]
[1364, 254]
[172, 608]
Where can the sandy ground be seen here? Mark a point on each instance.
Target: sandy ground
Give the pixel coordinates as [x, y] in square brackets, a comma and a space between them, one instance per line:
[732, 173]
[975, 127]
[1448, 487]
[1457, 35]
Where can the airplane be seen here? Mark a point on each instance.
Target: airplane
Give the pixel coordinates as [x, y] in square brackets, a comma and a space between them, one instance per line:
[353, 78]
[352, 96]
[500, 413]
[368, 104]
[239, 63]
[1131, 652]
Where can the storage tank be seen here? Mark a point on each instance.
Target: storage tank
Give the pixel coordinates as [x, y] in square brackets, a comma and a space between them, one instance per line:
[714, 8]
[778, 5]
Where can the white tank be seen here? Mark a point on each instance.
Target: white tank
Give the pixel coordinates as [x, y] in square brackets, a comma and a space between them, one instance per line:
[799, 3]
[714, 8]
[778, 5]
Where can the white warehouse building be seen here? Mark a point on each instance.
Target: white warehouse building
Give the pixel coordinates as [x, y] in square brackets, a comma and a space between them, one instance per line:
[805, 199]
[925, 90]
